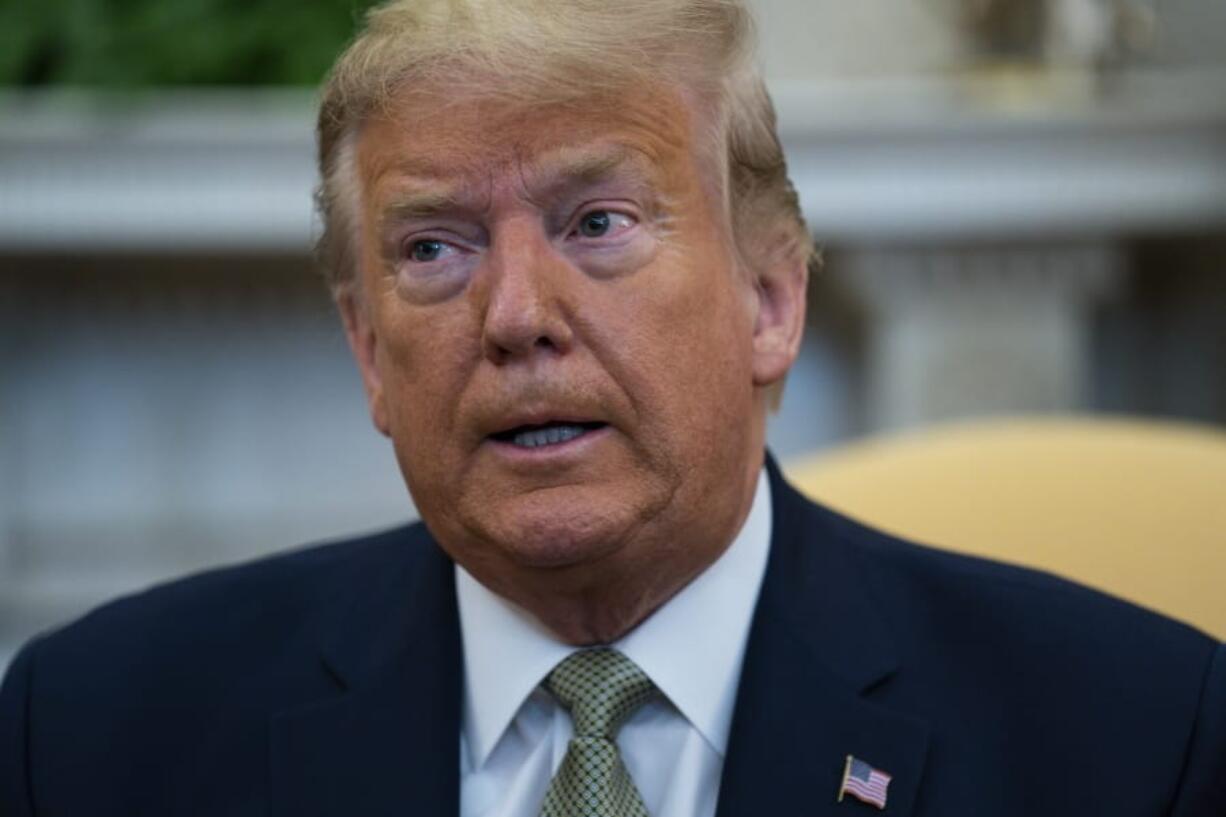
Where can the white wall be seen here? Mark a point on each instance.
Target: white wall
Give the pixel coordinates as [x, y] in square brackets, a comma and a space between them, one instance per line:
[807, 39]
[823, 38]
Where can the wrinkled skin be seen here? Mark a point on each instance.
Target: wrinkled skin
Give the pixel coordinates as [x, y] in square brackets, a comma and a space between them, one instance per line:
[571, 263]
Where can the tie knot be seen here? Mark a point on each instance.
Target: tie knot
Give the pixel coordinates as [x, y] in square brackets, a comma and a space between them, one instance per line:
[601, 688]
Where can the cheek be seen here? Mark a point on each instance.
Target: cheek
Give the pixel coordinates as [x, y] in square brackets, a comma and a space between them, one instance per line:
[424, 353]
[684, 345]
[705, 309]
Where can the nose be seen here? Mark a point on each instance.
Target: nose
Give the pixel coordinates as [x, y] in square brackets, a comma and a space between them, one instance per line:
[526, 312]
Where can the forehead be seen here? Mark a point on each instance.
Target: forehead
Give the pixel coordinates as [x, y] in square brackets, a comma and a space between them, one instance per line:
[431, 136]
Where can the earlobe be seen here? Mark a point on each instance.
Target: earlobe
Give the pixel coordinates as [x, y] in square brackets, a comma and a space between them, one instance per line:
[363, 343]
[780, 320]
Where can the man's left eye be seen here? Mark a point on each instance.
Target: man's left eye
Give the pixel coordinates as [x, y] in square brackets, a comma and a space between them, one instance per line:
[426, 250]
[601, 223]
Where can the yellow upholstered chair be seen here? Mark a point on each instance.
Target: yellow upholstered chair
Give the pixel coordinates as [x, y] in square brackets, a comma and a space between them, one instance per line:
[1132, 507]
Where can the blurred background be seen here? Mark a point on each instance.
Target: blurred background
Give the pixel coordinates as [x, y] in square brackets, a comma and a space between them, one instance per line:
[1022, 205]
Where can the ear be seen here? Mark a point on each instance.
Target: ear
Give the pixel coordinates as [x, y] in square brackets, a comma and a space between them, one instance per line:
[780, 321]
[364, 344]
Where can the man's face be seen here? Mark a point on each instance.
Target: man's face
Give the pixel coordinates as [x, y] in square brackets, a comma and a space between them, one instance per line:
[553, 331]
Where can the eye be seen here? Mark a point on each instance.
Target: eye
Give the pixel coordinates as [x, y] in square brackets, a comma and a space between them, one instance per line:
[425, 250]
[602, 223]
[595, 224]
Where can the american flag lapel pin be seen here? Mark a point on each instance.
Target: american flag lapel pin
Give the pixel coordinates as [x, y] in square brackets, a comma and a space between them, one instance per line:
[865, 783]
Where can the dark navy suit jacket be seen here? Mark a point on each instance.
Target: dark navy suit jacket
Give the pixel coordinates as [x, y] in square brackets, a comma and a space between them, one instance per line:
[328, 682]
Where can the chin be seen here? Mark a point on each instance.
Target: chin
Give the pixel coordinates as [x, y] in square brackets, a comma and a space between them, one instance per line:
[561, 527]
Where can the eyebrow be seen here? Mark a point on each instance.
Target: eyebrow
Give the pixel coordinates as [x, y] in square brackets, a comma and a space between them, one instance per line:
[417, 204]
[588, 165]
[553, 174]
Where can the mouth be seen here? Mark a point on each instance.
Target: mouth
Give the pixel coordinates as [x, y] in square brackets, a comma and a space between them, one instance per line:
[545, 434]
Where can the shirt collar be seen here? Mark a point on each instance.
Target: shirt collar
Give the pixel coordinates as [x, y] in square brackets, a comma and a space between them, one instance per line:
[507, 652]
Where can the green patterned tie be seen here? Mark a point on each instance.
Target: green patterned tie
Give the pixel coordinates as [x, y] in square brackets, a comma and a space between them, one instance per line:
[601, 688]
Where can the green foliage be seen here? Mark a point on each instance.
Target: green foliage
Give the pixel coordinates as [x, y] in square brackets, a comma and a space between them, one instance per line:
[138, 43]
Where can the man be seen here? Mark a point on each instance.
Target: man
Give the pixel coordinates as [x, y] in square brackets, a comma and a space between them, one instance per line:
[571, 269]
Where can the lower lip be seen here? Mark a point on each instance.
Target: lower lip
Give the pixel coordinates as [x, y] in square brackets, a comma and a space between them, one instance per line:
[552, 452]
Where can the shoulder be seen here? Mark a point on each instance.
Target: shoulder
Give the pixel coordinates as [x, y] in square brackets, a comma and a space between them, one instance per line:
[967, 620]
[253, 613]
[276, 589]
[995, 640]
[186, 675]
[986, 650]
[929, 593]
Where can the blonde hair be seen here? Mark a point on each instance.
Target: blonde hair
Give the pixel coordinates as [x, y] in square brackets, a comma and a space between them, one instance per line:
[553, 51]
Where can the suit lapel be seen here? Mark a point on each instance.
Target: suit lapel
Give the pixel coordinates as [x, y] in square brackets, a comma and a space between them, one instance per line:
[388, 742]
[816, 650]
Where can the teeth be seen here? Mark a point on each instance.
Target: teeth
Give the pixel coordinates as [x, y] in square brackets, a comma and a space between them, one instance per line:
[550, 435]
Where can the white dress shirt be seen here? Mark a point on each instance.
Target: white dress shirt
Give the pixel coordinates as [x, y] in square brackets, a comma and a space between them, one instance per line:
[514, 735]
